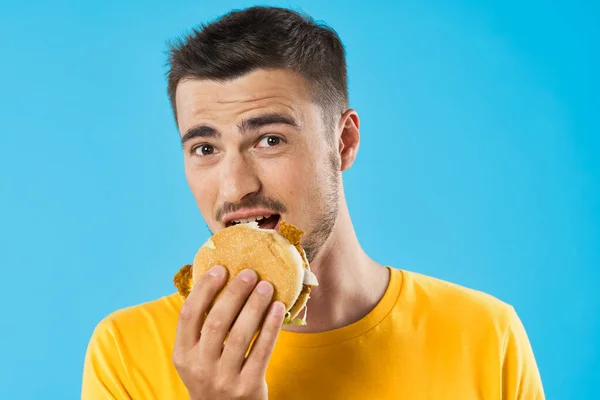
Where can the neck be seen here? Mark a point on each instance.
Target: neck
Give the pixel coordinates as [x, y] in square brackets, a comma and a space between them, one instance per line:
[350, 283]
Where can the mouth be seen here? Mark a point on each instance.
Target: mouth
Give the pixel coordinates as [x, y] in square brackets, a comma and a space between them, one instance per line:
[268, 221]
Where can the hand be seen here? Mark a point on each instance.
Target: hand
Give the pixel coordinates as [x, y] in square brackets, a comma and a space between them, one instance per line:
[211, 369]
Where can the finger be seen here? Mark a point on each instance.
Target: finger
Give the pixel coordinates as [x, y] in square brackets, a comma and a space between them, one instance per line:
[196, 305]
[260, 354]
[246, 326]
[221, 316]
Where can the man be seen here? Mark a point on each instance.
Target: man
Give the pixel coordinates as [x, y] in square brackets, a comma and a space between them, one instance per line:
[261, 103]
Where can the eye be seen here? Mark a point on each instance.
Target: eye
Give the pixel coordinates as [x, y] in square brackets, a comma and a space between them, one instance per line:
[270, 141]
[203, 150]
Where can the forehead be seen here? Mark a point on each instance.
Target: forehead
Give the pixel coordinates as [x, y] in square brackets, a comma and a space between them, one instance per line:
[258, 91]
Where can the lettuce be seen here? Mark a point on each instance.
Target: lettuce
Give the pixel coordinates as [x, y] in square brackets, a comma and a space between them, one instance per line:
[297, 321]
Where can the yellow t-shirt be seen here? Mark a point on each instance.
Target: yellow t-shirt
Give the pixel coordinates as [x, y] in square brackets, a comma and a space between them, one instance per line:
[425, 339]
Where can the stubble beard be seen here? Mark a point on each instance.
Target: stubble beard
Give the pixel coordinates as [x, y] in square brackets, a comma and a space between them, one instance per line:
[324, 223]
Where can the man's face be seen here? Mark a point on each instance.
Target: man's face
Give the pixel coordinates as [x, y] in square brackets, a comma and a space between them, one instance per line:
[258, 146]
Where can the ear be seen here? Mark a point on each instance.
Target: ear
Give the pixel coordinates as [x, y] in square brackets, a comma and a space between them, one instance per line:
[349, 138]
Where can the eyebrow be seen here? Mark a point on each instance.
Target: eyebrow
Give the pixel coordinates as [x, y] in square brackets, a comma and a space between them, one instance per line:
[201, 131]
[248, 124]
[258, 122]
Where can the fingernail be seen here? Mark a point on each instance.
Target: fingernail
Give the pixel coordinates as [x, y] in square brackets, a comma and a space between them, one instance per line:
[247, 275]
[217, 271]
[278, 308]
[263, 287]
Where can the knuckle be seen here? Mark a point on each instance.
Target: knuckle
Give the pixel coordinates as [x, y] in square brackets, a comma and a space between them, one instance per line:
[242, 390]
[186, 312]
[237, 287]
[209, 283]
[270, 327]
[263, 352]
[198, 370]
[261, 355]
[235, 340]
[223, 385]
[220, 384]
[258, 304]
[246, 278]
[236, 291]
[213, 324]
[178, 358]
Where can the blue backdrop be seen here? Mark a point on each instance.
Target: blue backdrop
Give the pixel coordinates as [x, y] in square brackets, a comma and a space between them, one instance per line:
[478, 164]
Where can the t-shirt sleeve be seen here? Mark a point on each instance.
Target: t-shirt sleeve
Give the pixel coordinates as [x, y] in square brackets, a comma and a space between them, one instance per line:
[104, 376]
[520, 375]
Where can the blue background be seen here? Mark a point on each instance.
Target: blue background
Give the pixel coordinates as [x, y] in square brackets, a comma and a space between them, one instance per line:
[478, 164]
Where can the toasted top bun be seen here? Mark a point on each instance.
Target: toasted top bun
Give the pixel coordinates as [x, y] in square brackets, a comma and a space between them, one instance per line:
[275, 256]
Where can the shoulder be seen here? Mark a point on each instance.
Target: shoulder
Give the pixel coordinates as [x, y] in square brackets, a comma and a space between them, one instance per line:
[127, 333]
[133, 321]
[456, 305]
[477, 325]
[117, 353]
[484, 325]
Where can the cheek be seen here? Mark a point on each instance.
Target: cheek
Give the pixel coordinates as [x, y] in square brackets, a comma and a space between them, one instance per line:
[297, 180]
[282, 178]
[203, 189]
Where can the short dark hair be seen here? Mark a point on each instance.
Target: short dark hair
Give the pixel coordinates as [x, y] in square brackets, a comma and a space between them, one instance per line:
[264, 37]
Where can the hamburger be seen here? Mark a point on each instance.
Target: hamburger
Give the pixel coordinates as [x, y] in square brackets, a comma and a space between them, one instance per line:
[275, 255]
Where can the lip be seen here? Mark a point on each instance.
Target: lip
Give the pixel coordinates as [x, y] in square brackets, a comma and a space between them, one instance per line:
[247, 213]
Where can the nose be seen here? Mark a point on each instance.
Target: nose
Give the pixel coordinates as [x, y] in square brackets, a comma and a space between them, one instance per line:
[238, 179]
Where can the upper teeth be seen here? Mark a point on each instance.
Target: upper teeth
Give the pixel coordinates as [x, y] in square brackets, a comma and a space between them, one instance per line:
[249, 219]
